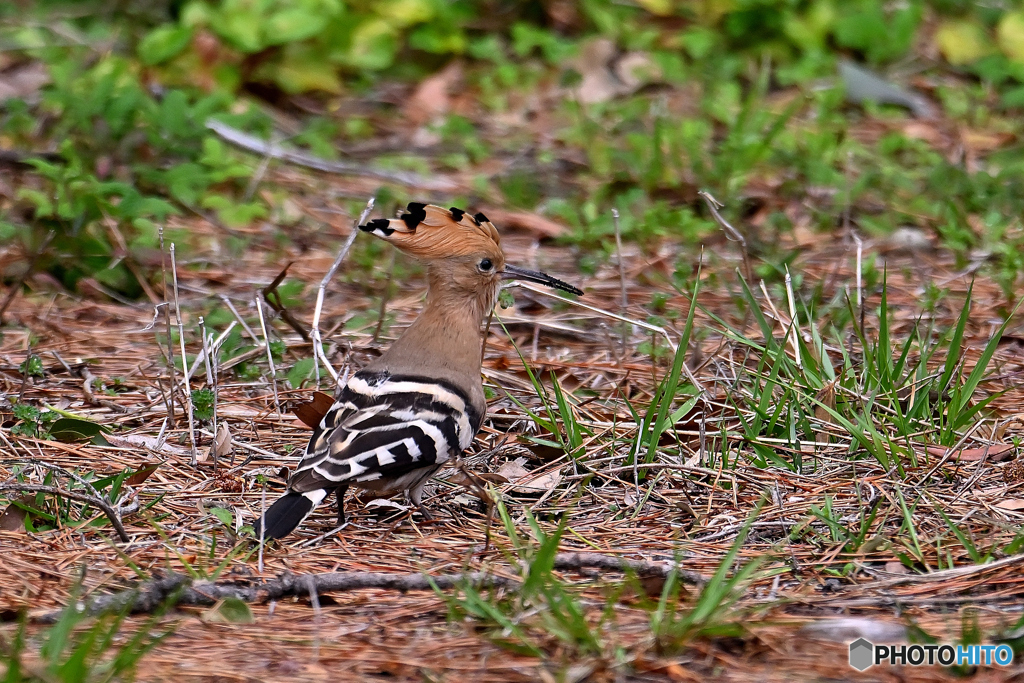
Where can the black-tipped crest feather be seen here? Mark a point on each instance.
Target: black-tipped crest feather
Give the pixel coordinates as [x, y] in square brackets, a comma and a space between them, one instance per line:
[416, 214]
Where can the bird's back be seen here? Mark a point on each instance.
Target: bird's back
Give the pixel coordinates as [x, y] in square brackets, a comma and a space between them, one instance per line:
[385, 425]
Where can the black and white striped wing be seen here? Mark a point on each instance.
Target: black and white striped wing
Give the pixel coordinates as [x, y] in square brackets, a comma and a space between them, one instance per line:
[385, 426]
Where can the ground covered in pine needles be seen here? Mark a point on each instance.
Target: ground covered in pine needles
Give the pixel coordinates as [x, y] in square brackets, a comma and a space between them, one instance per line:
[744, 447]
[813, 525]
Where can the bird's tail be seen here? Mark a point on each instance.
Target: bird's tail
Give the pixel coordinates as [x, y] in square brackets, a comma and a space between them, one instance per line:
[288, 511]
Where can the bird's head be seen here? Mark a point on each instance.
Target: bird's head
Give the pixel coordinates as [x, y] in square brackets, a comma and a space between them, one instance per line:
[462, 252]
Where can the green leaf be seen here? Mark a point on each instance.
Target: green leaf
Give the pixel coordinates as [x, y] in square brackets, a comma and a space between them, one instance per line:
[300, 372]
[408, 12]
[374, 44]
[662, 8]
[232, 214]
[229, 611]
[32, 366]
[163, 43]
[1010, 35]
[239, 25]
[292, 25]
[224, 516]
[304, 70]
[202, 403]
[39, 200]
[962, 41]
[71, 429]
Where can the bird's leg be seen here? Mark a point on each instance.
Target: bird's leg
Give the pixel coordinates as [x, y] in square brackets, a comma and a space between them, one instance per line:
[340, 493]
[416, 495]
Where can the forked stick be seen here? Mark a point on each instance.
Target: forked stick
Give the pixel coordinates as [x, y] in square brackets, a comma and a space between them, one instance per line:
[318, 351]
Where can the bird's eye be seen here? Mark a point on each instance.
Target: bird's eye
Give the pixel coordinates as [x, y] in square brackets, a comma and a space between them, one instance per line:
[485, 265]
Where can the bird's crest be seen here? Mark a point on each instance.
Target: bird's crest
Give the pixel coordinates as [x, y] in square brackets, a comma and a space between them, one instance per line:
[431, 232]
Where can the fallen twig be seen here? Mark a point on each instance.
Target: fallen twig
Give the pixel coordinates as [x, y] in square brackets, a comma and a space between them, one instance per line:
[318, 351]
[292, 156]
[565, 561]
[273, 299]
[183, 590]
[270, 355]
[73, 495]
[731, 233]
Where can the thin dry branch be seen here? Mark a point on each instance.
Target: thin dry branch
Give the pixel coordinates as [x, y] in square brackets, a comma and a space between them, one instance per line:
[318, 351]
[566, 561]
[276, 151]
[103, 505]
[183, 590]
[731, 233]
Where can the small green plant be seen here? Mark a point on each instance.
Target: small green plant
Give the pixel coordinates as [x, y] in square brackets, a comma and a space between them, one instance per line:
[45, 512]
[33, 422]
[673, 627]
[79, 648]
[659, 416]
[206, 566]
[544, 608]
[973, 552]
[32, 366]
[202, 404]
[569, 437]
[855, 538]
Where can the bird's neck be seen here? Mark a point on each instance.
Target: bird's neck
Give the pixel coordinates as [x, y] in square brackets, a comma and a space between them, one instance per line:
[442, 336]
[443, 342]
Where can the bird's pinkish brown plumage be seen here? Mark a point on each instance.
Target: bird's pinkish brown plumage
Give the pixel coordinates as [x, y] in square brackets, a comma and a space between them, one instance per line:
[399, 419]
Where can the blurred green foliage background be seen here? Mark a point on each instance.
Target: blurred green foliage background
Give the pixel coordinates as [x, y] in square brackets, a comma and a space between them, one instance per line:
[565, 108]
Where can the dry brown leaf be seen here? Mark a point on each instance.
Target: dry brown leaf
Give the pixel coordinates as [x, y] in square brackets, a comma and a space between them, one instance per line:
[1013, 424]
[606, 75]
[142, 474]
[312, 412]
[995, 452]
[525, 220]
[222, 443]
[13, 518]
[921, 130]
[148, 442]
[1011, 504]
[983, 141]
[22, 82]
[432, 97]
[635, 70]
[629, 498]
[513, 470]
[541, 484]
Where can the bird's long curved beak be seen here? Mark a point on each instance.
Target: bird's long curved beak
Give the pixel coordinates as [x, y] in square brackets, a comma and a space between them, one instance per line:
[517, 273]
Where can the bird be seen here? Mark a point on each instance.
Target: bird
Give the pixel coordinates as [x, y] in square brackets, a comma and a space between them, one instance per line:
[395, 422]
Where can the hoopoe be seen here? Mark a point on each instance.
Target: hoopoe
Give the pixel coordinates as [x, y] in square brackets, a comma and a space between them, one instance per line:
[399, 419]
